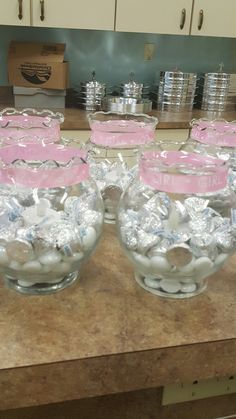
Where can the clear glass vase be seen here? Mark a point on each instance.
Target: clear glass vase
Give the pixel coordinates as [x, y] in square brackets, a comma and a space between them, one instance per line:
[170, 223]
[29, 125]
[113, 152]
[51, 216]
[216, 138]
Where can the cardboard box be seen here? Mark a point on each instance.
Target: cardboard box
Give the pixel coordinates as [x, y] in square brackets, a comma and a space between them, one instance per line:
[35, 97]
[36, 64]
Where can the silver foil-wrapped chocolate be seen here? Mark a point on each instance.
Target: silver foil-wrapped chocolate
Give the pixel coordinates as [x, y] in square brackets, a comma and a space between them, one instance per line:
[174, 243]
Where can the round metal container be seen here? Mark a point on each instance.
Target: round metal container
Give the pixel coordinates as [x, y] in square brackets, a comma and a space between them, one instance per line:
[126, 105]
[91, 93]
[217, 91]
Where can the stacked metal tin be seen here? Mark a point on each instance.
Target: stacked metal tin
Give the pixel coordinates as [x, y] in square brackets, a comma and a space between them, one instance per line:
[217, 91]
[133, 89]
[176, 91]
[131, 96]
[90, 94]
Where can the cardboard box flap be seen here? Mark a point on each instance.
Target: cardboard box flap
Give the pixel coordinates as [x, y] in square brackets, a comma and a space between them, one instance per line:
[36, 52]
[38, 64]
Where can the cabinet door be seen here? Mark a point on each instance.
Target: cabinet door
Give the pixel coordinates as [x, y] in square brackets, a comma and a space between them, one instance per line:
[15, 12]
[214, 18]
[77, 14]
[154, 16]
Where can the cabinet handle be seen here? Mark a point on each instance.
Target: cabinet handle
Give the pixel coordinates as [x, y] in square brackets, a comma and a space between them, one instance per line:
[182, 18]
[200, 20]
[20, 4]
[42, 16]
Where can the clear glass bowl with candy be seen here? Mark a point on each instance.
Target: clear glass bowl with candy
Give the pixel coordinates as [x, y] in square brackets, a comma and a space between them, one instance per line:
[113, 149]
[51, 216]
[29, 125]
[217, 138]
[170, 224]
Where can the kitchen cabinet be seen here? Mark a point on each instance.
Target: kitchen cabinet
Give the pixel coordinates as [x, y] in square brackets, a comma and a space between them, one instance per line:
[15, 12]
[154, 16]
[214, 18]
[77, 14]
[209, 17]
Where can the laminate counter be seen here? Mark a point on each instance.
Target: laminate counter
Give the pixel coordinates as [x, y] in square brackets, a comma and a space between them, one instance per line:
[105, 334]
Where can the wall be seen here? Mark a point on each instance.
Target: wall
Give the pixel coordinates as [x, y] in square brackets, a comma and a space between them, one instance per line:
[114, 55]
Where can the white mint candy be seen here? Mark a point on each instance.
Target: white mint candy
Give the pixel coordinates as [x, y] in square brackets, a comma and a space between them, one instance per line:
[89, 238]
[15, 265]
[32, 266]
[46, 268]
[142, 261]
[25, 283]
[203, 264]
[50, 258]
[172, 287]
[218, 261]
[160, 263]
[188, 288]
[31, 216]
[4, 260]
[152, 283]
[187, 269]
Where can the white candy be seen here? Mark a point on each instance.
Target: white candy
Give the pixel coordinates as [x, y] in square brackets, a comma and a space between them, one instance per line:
[3, 256]
[172, 287]
[31, 216]
[89, 238]
[189, 268]
[25, 283]
[160, 263]
[142, 261]
[50, 258]
[152, 283]
[32, 266]
[15, 265]
[220, 259]
[188, 288]
[203, 265]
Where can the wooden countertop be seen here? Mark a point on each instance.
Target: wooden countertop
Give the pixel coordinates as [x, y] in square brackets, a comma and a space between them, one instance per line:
[105, 334]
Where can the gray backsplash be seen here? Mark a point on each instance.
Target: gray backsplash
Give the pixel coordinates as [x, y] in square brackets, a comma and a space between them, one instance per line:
[114, 55]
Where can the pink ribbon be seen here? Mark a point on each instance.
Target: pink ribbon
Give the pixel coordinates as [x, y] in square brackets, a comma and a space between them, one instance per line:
[28, 128]
[219, 133]
[42, 177]
[155, 171]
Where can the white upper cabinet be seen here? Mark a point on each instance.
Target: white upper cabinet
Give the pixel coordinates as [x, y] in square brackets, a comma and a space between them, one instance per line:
[154, 16]
[15, 12]
[77, 14]
[214, 18]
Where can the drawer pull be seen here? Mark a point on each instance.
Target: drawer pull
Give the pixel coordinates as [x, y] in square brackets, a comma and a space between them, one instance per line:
[42, 16]
[200, 20]
[182, 18]
[20, 9]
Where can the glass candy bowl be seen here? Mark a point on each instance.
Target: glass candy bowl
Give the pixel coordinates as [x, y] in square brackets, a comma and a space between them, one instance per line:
[29, 125]
[169, 226]
[113, 149]
[51, 216]
[216, 138]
